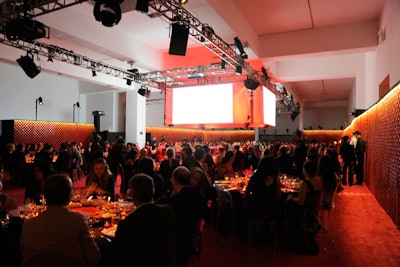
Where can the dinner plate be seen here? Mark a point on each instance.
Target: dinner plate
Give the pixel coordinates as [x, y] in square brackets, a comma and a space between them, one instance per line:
[109, 231]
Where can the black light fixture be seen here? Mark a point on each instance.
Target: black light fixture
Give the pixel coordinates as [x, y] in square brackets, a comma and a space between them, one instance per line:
[78, 107]
[142, 6]
[28, 65]
[265, 73]
[39, 101]
[238, 70]
[251, 83]
[108, 12]
[144, 91]
[239, 45]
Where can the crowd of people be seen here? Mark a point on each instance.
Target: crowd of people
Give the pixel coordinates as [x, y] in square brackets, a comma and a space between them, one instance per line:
[171, 186]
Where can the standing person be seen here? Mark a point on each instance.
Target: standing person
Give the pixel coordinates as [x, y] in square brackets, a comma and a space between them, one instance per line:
[167, 166]
[147, 236]
[58, 230]
[359, 157]
[347, 153]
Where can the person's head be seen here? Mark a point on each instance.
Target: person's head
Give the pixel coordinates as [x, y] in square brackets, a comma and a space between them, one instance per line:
[197, 176]
[146, 165]
[266, 167]
[199, 154]
[187, 150]
[357, 134]
[180, 177]
[282, 150]
[345, 138]
[100, 167]
[58, 190]
[309, 168]
[325, 165]
[228, 156]
[142, 187]
[43, 170]
[170, 152]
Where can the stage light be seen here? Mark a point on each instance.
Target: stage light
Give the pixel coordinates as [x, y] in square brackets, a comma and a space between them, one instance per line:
[142, 6]
[183, 1]
[28, 65]
[238, 70]
[144, 91]
[251, 84]
[239, 45]
[265, 73]
[128, 82]
[108, 12]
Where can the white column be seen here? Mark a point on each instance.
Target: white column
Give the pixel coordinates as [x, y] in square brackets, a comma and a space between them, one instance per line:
[135, 125]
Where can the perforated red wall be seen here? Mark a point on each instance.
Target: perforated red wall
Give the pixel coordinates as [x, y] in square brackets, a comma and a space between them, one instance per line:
[51, 132]
[380, 127]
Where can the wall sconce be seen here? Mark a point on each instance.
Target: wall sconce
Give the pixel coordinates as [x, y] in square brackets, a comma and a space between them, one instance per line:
[39, 101]
[78, 107]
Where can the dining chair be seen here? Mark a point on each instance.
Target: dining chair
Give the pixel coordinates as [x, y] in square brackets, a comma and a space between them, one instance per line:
[225, 210]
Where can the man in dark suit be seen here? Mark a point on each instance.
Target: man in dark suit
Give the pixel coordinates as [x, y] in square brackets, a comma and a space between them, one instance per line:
[359, 154]
[189, 206]
[147, 236]
[59, 230]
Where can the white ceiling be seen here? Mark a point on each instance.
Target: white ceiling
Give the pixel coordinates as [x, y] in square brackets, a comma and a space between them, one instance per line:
[146, 40]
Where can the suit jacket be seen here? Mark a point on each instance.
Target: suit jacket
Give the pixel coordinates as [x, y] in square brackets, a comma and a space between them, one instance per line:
[147, 237]
[10, 242]
[59, 230]
[189, 206]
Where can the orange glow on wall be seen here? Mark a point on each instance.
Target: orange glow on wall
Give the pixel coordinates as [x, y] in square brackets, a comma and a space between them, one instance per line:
[180, 134]
[26, 131]
[323, 136]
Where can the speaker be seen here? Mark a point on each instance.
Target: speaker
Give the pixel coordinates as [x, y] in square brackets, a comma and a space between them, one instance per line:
[27, 64]
[251, 84]
[179, 38]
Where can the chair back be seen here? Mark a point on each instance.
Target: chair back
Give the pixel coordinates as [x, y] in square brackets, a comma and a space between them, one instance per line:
[224, 198]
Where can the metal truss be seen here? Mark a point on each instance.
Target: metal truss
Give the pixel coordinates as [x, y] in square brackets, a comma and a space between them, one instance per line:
[169, 9]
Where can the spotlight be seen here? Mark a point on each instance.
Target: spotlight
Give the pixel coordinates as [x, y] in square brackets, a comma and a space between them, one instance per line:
[94, 74]
[238, 70]
[78, 106]
[223, 64]
[251, 83]
[27, 64]
[265, 73]
[293, 115]
[239, 45]
[142, 6]
[182, 2]
[144, 91]
[108, 12]
[50, 59]
[128, 82]
[40, 100]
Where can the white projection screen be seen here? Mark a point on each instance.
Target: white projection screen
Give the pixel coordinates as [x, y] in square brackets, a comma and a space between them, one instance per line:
[269, 106]
[203, 104]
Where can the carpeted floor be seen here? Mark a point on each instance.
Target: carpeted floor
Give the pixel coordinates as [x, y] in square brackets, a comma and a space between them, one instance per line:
[363, 235]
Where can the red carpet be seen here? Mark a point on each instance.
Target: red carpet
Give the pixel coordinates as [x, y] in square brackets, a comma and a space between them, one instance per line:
[365, 236]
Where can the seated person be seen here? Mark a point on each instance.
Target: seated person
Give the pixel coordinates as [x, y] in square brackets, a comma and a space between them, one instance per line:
[303, 211]
[263, 191]
[147, 236]
[34, 185]
[190, 207]
[58, 230]
[10, 234]
[100, 180]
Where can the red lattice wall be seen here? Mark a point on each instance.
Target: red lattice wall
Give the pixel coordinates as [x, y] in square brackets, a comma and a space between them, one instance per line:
[380, 127]
[25, 132]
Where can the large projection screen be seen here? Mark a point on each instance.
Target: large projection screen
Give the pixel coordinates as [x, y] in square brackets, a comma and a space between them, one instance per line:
[202, 105]
[269, 107]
